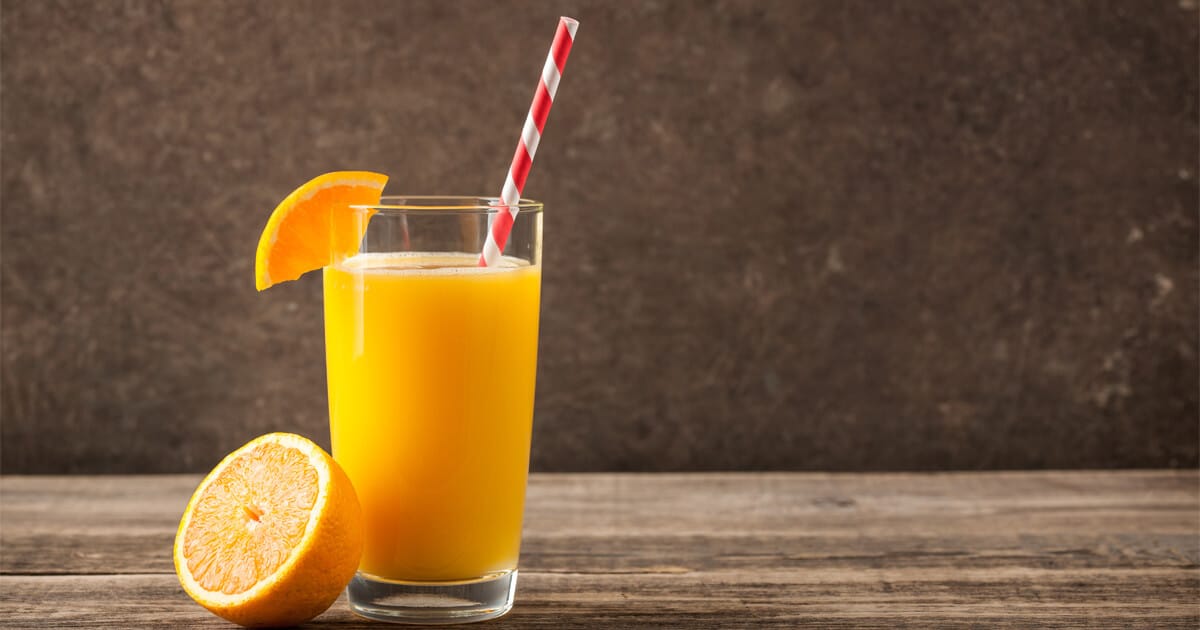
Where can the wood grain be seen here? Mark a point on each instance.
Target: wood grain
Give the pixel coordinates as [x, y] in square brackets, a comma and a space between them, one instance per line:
[1048, 549]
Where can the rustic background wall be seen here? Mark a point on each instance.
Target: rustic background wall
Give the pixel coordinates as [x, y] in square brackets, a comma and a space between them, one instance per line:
[793, 235]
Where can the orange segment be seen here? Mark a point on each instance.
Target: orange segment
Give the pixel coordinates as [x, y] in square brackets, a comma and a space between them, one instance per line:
[272, 535]
[313, 226]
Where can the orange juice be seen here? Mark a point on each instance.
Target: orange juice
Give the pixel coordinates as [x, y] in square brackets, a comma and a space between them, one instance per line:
[431, 363]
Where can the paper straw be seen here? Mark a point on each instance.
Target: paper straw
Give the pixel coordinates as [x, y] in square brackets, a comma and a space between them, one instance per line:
[518, 171]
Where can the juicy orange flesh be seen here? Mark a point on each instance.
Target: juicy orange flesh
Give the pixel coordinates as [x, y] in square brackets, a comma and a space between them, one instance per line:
[318, 229]
[250, 518]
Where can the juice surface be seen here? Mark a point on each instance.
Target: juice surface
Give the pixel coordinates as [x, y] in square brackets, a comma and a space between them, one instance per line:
[431, 363]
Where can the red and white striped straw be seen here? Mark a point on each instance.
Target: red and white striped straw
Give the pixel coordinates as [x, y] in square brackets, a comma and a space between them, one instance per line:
[510, 196]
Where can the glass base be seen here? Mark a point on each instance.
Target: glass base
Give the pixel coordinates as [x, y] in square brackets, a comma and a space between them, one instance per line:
[432, 602]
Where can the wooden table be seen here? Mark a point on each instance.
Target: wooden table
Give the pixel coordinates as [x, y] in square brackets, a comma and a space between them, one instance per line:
[1021, 549]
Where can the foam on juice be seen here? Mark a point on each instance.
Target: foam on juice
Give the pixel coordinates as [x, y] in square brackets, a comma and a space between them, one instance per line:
[425, 263]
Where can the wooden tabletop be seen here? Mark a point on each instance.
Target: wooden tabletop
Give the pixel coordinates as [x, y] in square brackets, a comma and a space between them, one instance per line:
[1013, 549]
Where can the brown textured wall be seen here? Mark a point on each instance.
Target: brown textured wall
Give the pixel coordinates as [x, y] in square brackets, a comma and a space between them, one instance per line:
[795, 235]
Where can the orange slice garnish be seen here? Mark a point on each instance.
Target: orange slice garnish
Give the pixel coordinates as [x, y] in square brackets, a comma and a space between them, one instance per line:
[314, 227]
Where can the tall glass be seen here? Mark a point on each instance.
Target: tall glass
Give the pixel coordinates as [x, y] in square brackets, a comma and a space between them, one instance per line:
[431, 362]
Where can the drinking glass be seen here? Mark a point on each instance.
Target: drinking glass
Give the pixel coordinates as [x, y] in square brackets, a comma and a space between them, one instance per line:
[431, 362]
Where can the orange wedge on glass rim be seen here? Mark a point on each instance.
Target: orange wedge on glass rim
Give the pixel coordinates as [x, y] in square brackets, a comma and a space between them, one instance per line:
[272, 535]
[314, 227]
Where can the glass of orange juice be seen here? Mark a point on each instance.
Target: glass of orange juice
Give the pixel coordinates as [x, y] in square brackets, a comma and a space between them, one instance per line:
[431, 362]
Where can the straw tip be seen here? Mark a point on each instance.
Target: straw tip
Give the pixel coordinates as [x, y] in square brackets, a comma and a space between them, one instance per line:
[571, 24]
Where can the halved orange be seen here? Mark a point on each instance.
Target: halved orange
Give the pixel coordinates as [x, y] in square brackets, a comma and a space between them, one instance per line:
[312, 227]
[272, 535]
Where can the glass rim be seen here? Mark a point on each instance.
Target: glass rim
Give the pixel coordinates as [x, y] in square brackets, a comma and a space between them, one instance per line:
[444, 203]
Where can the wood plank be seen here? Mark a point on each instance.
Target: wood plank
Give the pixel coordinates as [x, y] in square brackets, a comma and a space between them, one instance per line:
[666, 503]
[114, 554]
[776, 599]
[74, 525]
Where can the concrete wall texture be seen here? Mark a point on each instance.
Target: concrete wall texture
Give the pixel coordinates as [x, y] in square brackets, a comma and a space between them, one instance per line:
[801, 234]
